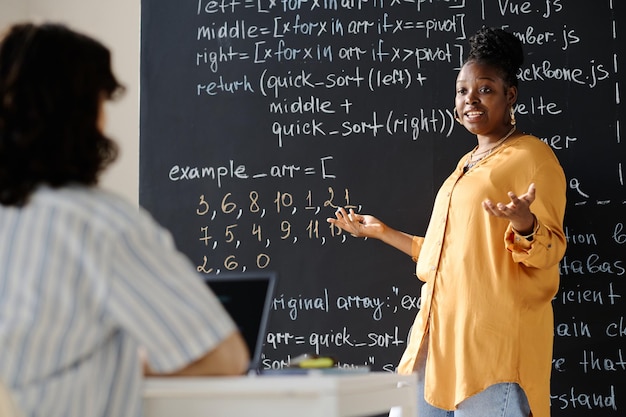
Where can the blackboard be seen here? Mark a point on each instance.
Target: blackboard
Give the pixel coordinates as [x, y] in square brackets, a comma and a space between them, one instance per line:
[259, 117]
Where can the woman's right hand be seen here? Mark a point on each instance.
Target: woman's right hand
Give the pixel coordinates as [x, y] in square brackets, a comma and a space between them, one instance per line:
[358, 225]
[363, 225]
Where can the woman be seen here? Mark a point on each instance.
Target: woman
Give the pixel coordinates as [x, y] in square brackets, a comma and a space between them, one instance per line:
[482, 340]
[86, 279]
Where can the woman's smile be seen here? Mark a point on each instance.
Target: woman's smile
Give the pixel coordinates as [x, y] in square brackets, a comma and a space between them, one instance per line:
[473, 115]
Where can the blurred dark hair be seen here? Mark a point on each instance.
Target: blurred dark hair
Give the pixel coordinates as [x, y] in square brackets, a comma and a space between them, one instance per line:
[499, 49]
[52, 83]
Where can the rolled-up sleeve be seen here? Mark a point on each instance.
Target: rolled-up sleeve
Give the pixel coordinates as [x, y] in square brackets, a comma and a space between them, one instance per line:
[548, 243]
[157, 296]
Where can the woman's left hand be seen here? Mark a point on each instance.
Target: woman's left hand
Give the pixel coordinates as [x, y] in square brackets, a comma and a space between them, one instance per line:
[517, 211]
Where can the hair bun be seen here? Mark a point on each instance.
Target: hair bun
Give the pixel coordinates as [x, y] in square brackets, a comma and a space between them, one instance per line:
[496, 47]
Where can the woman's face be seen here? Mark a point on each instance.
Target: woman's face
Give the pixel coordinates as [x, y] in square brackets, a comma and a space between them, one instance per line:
[483, 100]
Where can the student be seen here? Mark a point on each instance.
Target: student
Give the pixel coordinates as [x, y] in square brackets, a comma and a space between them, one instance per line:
[86, 279]
[481, 343]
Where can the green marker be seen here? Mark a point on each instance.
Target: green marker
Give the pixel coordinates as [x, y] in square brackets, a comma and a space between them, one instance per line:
[323, 362]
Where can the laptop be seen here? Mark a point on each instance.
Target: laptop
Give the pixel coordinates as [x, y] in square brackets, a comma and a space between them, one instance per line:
[248, 297]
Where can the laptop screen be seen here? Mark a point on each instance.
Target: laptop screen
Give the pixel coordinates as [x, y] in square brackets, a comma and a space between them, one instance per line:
[247, 296]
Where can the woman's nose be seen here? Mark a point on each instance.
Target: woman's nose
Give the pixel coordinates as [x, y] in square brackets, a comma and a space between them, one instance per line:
[470, 99]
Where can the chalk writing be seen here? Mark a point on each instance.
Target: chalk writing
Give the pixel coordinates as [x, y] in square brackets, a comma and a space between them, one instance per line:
[261, 117]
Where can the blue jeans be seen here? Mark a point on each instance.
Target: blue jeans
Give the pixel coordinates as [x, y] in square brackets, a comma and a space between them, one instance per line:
[499, 400]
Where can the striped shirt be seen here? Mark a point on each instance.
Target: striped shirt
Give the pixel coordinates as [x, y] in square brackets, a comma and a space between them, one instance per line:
[85, 279]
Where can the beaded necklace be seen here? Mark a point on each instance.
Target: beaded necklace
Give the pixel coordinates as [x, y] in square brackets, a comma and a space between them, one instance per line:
[471, 161]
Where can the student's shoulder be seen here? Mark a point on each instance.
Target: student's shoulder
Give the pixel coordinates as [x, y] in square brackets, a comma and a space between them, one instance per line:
[96, 207]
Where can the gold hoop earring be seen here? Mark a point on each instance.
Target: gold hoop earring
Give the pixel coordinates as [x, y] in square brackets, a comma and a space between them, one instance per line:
[456, 116]
[512, 114]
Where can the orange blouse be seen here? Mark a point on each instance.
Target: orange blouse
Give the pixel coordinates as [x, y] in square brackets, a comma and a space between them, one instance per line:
[486, 303]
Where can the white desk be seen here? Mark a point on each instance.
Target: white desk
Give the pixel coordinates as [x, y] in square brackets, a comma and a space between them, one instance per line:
[282, 396]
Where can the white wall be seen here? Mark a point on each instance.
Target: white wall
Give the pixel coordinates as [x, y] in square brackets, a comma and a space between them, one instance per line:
[11, 10]
[116, 24]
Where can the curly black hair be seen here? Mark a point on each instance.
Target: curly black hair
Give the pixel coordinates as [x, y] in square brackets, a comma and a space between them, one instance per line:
[52, 85]
[499, 49]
